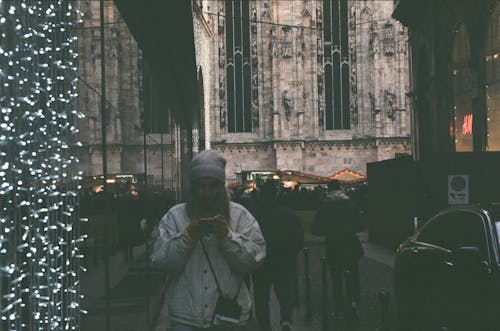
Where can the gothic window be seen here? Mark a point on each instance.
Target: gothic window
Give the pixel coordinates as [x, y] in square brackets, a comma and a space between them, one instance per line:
[492, 62]
[238, 66]
[463, 88]
[336, 65]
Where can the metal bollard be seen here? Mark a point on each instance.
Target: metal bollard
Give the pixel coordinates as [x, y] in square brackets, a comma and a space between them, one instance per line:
[324, 283]
[384, 311]
[307, 285]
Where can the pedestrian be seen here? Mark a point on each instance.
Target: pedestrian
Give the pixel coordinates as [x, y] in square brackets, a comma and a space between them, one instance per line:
[338, 219]
[284, 236]
[208, 246]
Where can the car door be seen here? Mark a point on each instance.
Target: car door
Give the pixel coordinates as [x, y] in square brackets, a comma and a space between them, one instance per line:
[469, 282]
[432, 261]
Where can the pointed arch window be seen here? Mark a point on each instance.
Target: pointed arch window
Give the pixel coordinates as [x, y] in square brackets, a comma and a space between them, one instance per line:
[238, 66]
[336, 65]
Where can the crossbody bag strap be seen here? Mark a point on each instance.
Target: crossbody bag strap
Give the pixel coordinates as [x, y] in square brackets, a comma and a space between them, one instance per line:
[213, 270]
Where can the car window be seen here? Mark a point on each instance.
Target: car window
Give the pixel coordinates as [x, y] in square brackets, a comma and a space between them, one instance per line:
[456, 229]
[435, 231]
[497, 227]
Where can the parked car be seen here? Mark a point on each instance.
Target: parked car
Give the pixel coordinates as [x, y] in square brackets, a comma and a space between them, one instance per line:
[447, 275]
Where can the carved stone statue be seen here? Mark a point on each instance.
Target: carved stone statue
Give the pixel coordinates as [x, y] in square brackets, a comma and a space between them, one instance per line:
[320, 82]
[301, 44]
[320, 47]
[266, 13]
[352, 18]
[287, 104]
[254, 48]
[255, 80]
[354, 110]
[352, 51]
[255, 115]
[221, 87]
[253, 18]
[390, 98]
[321, 110]
[373, 43]
[354, 105]
[354, 81]
[222, 54]
[221, 21]
[372, 102]
[222, 117]
[319, 16]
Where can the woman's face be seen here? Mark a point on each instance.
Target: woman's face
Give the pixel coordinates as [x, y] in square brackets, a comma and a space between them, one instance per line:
[208, 192]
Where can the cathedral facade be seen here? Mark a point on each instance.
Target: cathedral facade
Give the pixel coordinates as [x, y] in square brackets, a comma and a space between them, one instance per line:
[313, 86]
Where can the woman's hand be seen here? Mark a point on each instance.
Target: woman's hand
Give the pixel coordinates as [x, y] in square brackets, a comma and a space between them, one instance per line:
[196, 230]
[220, 227]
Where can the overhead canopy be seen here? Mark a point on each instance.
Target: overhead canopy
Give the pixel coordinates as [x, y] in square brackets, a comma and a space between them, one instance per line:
[164, 32]
[302, 177]
[348, 176]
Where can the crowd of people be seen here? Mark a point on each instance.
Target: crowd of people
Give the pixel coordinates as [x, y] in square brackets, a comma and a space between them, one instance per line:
[226, 249]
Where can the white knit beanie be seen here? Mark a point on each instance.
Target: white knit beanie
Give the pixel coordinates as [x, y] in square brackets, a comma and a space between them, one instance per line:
[208, 164]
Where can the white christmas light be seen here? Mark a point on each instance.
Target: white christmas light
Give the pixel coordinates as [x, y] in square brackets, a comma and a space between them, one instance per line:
[39, 227]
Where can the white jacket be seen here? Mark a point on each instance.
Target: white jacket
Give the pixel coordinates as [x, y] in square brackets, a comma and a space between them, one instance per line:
[191, 288]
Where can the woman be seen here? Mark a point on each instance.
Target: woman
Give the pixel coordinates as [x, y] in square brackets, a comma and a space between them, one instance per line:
[206, 242]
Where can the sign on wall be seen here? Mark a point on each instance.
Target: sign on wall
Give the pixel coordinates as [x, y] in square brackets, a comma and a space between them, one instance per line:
[458, 189]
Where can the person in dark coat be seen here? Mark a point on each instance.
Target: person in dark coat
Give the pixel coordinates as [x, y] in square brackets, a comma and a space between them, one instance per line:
[284, 236]
[338, 219]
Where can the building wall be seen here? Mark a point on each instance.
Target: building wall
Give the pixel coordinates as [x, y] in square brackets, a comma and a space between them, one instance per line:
[290, 59]
[202, 35]
[125, 143]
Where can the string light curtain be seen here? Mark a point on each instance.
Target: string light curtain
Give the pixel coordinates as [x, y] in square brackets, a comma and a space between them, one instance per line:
[39, 181]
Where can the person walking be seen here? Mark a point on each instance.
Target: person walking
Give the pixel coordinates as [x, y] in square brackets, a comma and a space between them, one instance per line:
[208, 245]
[284, 236]
[338, 219]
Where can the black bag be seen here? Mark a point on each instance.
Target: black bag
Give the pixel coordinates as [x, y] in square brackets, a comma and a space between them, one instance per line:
[227, 311]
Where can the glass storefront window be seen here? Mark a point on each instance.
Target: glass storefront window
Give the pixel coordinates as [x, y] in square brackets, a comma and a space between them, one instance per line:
[463, 89]
[492, 62]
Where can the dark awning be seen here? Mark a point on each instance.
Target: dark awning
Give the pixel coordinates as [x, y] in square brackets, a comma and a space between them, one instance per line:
[409, 12]
[164, 32]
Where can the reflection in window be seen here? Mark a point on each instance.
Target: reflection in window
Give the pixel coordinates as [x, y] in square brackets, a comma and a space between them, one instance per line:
[493, 81]
[455, 230]
[463, 88]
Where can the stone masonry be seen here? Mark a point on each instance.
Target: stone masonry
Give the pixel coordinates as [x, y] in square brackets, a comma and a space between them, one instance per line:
[287, 70]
